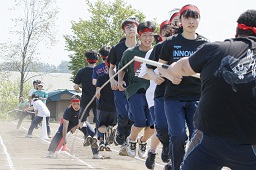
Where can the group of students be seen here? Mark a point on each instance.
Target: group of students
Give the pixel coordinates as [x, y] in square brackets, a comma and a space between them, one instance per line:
[170, 106]
[35, 107]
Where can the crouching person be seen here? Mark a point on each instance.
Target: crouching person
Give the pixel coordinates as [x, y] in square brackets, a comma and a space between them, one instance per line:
[70, 124]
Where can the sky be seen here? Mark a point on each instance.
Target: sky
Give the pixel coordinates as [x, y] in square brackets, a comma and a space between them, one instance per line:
[218, 19]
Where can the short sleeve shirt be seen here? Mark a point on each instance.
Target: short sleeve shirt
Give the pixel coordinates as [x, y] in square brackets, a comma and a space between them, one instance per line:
[228, 101]
[135, 83]
[175, 48]
[72, 116]
[106, 102]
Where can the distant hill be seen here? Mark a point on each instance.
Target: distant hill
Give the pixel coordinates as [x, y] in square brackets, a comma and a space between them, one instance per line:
[51, 81]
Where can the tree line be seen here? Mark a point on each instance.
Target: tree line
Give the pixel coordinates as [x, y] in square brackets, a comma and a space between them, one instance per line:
[63, 67]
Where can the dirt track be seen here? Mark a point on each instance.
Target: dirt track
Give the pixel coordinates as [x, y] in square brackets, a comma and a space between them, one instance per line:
[18, 152]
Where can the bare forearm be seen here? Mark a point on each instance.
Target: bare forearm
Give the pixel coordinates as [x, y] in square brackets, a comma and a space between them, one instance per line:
[181, 68]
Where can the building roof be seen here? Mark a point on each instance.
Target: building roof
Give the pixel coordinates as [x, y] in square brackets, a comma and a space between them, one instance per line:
[56, 94]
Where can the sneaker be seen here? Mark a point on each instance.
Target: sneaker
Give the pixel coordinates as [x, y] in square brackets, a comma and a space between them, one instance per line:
[165, 154]
[131, 147]
[107, 147]
[142, 152]
[50, 154]
[94, 143]
[150, 161]
[110, 134]
[118, 139]
[168, 167]
[49, 136]
[28, 136]
[101, 146]
[123, 151]
[87, 141]
[96, 156]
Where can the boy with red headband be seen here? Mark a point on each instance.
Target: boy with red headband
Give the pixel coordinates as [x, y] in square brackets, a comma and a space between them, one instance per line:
[161, 125]
[135, 91]
[70, 123]
[84, 77]
[124, 124]
[181, 96]
[226, 112]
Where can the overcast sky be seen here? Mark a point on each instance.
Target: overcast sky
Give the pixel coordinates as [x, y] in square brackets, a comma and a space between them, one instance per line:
[218, 19]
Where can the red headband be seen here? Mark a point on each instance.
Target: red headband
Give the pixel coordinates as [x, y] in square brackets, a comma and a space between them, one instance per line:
[75, 100]
[189, 7]
[245, 27]
[91, 61]
[174, 15]
[145, 30]
[130, 23]
[107, 63]
[103, 57]
[164, 23]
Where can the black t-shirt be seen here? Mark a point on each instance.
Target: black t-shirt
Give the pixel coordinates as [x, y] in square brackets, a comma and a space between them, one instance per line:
[175, 48]
[84, 77]
[106, 102]
[115, 55]
[72, 116]
[227, 106]
[160, 89]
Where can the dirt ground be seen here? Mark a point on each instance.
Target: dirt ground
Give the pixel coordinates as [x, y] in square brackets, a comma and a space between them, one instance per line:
[20, 153]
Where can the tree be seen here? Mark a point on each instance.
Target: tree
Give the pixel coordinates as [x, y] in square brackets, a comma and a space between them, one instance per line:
[103, 28]
[35, 27]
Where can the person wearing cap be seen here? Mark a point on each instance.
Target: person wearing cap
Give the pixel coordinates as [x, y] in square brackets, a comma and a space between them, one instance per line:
[226, 112]
[135, 91]
[24, 103]
[84, 78]
[43, 95]
[31, 91]
[40, 111]
[180, 101]
[70, 124]
[124, 124]
[155, 99]
[106, 111]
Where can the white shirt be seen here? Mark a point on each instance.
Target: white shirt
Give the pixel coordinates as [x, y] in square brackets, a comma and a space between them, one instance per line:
[31, 92]
[42, 109]
[151, 89]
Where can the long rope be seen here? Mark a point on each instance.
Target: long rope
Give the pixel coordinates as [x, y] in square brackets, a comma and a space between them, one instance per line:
[99, 90]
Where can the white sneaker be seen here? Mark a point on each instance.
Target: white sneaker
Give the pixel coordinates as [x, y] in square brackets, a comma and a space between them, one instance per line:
[50, 154]
[107, 147]
[131, 147]
[142, 152]
[28, 136]
[96, 156]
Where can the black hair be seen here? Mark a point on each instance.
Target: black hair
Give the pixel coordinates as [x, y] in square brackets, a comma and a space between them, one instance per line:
[35, 97]
[104, 51]
[131, 19]
[91, 56]
[247, 18]
[190, 13]
[75, 96]
[147, 24]
[36, 81]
